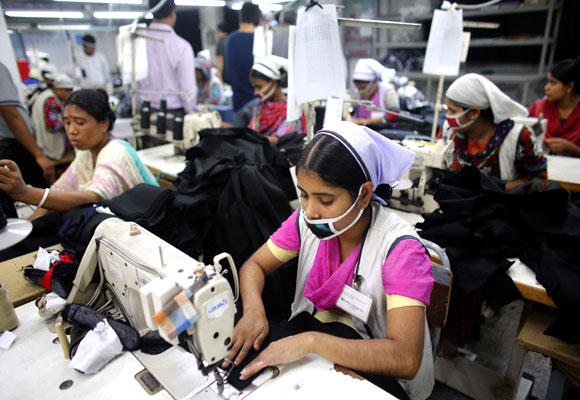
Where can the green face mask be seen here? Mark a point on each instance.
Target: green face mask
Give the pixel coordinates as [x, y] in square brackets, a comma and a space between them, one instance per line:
[367, 91]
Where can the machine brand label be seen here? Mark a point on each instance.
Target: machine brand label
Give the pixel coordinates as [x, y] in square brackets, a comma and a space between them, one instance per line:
[217, 306]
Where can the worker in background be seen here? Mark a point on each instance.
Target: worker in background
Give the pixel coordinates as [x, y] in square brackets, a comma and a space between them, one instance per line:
[46, 115]
[269, 118]
[171, 66]
[210, 89]
[280, 35]
[479, 115]
[561, 107]
[221, 35]
[238, 55]
[372, 82]
[94, 67]
[345, 176]
[103, 167]
[17, 141]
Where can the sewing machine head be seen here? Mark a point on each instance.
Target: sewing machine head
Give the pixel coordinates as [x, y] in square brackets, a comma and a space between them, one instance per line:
[193, 123]
[156, 286]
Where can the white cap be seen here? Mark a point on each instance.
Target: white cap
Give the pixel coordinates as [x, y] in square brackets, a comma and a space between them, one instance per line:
[62, 81]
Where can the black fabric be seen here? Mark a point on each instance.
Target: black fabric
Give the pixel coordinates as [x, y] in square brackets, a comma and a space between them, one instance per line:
[3, 220]
[305, 322]
[77, 226]
[86, 317]
[239, 187]
[480, 226]
[62, 273]
[292, 145]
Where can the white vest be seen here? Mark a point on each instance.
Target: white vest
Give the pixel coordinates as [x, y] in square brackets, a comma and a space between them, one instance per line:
[51, 143]
[507, 154]
[385, 230]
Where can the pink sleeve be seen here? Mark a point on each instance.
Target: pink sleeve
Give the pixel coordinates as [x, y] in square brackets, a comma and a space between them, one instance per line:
[407, 271]
[287, 236]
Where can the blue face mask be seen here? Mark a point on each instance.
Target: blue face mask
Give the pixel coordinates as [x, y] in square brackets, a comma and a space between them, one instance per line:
[324, 229]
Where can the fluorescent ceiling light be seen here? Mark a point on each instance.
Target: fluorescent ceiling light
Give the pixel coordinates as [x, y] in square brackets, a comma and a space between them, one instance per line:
[10, 31]
[103, 1]
[43, 14]
[120, 15]
[79, 27]
[201, 3]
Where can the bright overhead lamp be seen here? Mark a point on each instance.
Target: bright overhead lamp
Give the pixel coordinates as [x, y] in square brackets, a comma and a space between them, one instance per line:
[200, 3]
[103, 1]
[70, 27]
[120, 15]
[44, 14]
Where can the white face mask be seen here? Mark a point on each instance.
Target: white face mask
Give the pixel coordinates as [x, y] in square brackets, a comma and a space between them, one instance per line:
[324, 229]
[453, 120]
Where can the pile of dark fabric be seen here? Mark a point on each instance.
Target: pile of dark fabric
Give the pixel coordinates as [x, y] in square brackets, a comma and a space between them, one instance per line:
[240, 187]
[60, 275]
[480, 226]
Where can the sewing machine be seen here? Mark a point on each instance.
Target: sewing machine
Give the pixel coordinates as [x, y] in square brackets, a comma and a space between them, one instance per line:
[430, 157]
[145, 278]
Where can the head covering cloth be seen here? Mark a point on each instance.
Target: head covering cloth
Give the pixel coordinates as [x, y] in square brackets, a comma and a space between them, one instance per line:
[476, 91]
[382, 160]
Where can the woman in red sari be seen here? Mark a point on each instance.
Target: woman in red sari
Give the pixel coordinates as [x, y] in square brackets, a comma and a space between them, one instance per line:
[561, 107]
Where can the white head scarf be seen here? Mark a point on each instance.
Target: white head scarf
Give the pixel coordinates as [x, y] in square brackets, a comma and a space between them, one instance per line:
[270, 66]
[61, 80]
[382, 160]
[476, 91]
[368, 69]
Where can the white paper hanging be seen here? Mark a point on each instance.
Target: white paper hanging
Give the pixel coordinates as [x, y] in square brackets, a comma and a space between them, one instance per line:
[319, 65]
[293, 110]
[445, 44]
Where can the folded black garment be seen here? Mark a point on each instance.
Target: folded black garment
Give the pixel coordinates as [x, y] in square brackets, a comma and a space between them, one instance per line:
[78, 314]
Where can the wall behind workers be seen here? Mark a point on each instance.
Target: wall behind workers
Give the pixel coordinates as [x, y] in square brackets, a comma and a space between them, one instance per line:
[58, 47]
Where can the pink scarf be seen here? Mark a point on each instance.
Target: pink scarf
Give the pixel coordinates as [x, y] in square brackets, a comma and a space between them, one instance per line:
[328, 275]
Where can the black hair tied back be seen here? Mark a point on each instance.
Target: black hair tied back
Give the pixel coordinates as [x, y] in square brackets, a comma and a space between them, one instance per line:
[95, 102]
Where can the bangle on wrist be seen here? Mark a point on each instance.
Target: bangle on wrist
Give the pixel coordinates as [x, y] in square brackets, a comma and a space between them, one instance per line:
[44, 197]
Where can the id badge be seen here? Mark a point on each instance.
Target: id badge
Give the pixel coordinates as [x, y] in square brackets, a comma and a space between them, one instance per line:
[355, 303]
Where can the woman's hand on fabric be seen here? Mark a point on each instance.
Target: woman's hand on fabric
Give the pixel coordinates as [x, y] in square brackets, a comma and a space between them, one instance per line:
[283, 351]
[251, 331]
[560, 145]
[11, 179]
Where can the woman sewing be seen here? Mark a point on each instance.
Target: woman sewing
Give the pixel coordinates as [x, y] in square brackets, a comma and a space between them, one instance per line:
[561, 108]
[479, 116]
[269, 116]
[371, 80]
[348, 244]
[102, 169]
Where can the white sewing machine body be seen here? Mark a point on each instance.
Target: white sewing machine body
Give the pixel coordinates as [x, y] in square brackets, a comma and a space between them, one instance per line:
[144, 273]
[430, 157]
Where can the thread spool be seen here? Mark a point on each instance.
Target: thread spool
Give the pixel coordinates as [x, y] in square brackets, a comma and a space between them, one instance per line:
[178, 128]
[160, 123]
[8, 318]
[145, 115]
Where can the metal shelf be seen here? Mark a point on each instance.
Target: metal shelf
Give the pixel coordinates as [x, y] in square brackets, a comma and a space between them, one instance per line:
[501, 10]
[536, 41]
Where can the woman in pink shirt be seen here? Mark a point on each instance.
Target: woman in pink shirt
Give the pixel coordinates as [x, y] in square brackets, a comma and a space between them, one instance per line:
[351, 249]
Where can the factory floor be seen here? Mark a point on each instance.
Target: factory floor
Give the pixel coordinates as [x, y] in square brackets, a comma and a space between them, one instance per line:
[493, 349]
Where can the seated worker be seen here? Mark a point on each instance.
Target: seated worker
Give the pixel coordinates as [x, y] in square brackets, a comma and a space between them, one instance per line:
[484, 135]
[561, 108]
[345, 176]
[269, 116]
[103, 167]
[46, 115]
[210, 89]
[371, 80]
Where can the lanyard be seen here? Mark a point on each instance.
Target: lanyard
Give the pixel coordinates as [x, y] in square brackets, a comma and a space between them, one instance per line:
[357, 281]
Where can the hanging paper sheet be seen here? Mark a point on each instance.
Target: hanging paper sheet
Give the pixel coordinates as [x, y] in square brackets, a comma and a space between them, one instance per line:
[319, 65]
[445, 44]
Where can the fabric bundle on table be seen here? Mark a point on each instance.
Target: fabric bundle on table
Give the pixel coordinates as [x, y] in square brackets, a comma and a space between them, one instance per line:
[481, 226]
